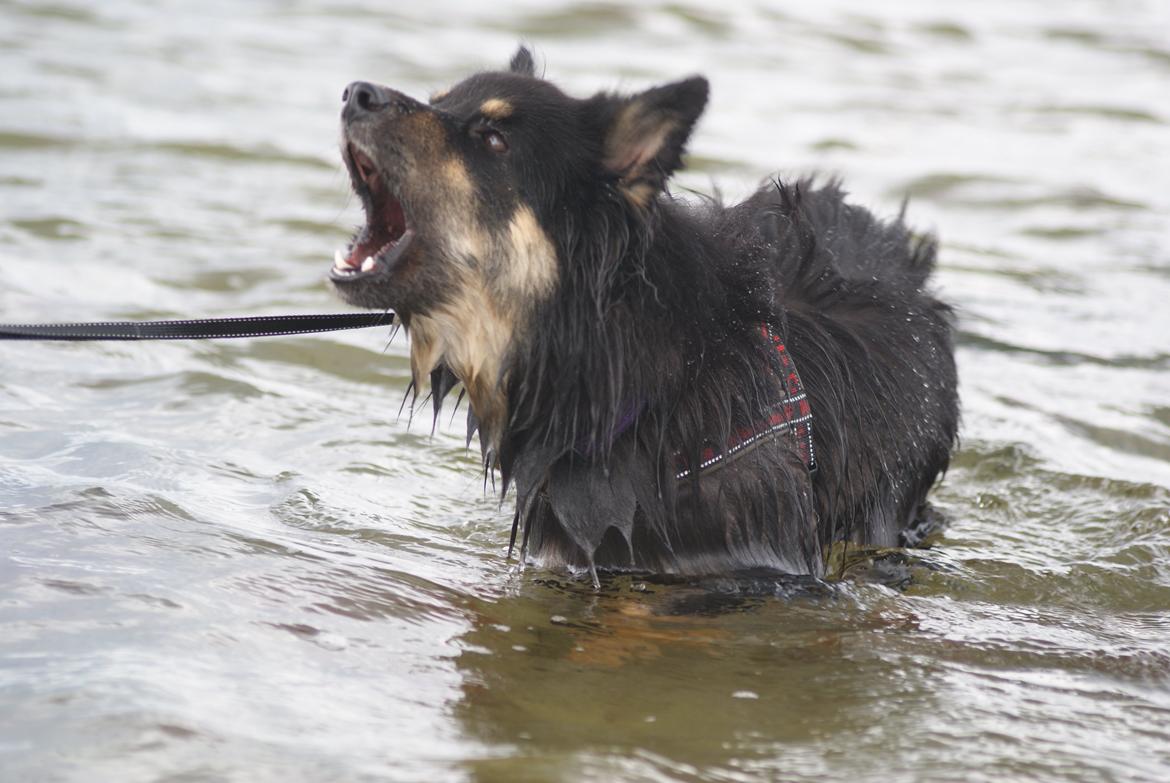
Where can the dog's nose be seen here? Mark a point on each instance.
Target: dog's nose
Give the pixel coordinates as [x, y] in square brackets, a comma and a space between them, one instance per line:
[363, 98]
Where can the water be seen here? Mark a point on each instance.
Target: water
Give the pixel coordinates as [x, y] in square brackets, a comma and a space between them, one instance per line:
[237, 561]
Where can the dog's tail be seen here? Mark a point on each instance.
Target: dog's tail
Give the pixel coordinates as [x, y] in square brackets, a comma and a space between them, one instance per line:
[831, 237]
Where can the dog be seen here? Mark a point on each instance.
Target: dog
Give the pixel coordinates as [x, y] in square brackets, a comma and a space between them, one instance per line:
[671, 388]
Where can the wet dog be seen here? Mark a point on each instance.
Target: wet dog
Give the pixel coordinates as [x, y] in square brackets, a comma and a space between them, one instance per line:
[671, 387]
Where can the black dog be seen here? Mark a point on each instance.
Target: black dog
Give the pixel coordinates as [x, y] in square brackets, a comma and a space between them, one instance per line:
[673, 388]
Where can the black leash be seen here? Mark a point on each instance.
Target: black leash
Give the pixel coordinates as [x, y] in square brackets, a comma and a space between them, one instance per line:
[201, 329]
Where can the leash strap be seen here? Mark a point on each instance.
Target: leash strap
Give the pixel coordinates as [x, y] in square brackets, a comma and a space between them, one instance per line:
[205, 328]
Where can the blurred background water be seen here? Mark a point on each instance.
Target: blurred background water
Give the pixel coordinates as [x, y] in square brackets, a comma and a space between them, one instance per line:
[238, 561]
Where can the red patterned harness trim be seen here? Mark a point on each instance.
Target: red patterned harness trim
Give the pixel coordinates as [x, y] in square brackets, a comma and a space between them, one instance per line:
[791, 414]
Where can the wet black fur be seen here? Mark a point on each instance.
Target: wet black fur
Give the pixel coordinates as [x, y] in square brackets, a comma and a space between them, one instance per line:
[658, 310]
[674, 326]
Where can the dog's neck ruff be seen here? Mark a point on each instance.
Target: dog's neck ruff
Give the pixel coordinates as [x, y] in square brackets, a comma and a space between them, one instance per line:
[791, 414]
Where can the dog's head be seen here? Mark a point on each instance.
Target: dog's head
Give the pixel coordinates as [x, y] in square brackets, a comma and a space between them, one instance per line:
[476, 201]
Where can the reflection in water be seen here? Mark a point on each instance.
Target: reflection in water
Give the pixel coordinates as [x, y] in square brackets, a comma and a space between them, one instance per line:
[723, 680]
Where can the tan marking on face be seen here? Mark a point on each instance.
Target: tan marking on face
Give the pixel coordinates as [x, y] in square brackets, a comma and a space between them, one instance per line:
[455, 210]
[529, 266]
[496, 109]
[439, 95]
[455, 174]
[425, 132]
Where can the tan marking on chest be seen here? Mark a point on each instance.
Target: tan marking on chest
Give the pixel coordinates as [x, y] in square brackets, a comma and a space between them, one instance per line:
[491, 299]
[471, 336]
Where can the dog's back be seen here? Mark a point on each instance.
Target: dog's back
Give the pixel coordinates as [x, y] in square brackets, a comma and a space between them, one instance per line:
[878, 350]
[873, 351]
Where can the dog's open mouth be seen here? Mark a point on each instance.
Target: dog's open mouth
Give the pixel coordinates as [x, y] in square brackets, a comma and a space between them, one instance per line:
[387, 233]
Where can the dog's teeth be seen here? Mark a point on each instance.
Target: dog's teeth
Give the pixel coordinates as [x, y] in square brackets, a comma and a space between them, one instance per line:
[339, 259]
[369, 264]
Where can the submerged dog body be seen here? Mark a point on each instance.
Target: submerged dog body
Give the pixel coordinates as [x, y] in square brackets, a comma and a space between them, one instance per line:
[622, 351]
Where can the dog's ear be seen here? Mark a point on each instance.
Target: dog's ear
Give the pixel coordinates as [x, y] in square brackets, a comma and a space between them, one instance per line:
[522, 62]
[645, 135]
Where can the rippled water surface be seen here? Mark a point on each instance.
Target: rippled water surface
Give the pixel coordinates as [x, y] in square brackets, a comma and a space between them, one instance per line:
[237, 561]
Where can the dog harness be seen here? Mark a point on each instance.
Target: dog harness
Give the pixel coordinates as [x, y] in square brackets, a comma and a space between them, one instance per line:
[790, 414]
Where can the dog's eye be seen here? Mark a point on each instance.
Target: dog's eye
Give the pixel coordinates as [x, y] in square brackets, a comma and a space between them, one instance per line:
[494, 141]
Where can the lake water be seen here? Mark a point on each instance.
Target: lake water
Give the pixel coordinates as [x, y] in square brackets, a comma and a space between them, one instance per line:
[237, 560]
